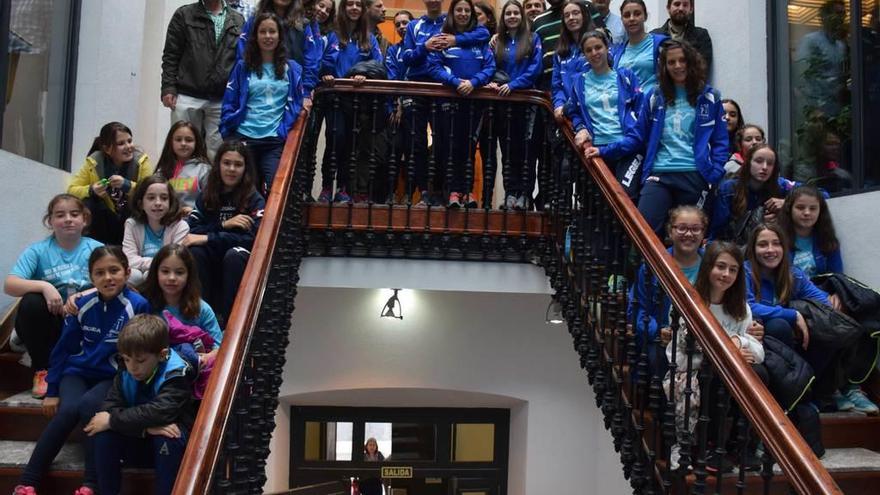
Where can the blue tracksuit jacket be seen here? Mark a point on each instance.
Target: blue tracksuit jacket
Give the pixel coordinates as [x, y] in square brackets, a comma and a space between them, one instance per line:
[710, 135]
[234, 108]
[415, 55]
[311, 50]
[450, 66]
[338, 60]
[618, 49]
[765, 307]
[394, 62]
[628, 97]
[525, 73]
[87, 346]
[563, 71]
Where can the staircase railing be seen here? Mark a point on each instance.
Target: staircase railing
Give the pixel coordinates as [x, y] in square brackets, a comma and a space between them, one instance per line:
[586, 240]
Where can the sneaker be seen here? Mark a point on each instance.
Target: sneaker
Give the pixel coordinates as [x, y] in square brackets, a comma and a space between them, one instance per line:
[520, 202]
[752, 462]
[842, 402]
[860, 401]
[24, 490]
[361, 198]
[325, 196]
[15, 343]
[470, 201]
[455, 200]
[510, 202]
[342, 197]
[84, 490]
[674, 457]
[39, 389]
[715, 461]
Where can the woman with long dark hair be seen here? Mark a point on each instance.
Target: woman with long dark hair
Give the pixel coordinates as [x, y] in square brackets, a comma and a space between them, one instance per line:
[640, 52]
[568, 59]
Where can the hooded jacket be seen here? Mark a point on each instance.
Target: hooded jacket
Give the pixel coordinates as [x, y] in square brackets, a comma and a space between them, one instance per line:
[98, 166]
[627, 106]
[234, 109]
[164, 399]
[710, 135]
[87, 346]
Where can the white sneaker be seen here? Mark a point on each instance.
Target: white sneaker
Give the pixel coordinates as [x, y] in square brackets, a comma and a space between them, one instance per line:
[15, 343]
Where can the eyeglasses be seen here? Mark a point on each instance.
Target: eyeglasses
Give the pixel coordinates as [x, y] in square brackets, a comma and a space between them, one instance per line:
[684, 229]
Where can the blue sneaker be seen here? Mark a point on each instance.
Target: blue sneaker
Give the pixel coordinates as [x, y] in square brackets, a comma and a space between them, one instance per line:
[860, 401]
[342, 197]
[842, 402]
[325, 196]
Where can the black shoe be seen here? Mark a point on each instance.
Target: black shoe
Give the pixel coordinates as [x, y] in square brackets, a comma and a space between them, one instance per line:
[715, 461]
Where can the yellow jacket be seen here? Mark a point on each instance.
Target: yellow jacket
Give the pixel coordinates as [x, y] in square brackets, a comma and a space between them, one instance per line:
[93, 171]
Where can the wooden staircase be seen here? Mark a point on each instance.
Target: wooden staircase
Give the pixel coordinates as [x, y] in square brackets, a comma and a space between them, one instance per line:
[22, 421]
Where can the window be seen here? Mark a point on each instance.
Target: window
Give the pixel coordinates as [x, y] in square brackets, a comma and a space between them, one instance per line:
[328, 441]
[827, 81]
[38, 52]
[473, 442]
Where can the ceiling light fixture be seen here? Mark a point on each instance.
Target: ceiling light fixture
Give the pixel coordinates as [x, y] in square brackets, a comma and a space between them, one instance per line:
[553, 316]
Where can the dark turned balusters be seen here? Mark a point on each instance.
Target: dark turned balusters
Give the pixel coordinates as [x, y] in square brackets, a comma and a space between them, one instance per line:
[351, 186]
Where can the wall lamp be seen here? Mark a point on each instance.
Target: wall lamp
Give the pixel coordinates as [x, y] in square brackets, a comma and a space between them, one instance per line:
[553, 316]
[393, 308]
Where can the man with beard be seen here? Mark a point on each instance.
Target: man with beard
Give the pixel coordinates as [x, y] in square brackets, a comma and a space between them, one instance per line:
[680, 26]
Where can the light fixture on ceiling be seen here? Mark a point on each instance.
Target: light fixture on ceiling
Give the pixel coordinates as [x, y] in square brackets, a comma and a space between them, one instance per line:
[553, 316]
[393, 308]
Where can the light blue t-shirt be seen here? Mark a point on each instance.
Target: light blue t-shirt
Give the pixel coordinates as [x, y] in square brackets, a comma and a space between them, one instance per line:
[640, 59]
[67, 271]
[676, 150]
[601, 98]
[152, 241]
[265, 104]
[207, 321]
[803, 255]
[691, 271]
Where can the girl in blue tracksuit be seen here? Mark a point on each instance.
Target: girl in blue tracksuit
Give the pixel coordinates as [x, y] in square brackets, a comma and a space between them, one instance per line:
[83, 362]
[397, 72]
[568, 59]
[518, 53]
[813, 242]
[602, 107]
[681, 126]
[224, 224]
[348, 44]
[757, 186]
[649, 307]
[640, 53]
[299, 35]
[465, 69]
[263, 97]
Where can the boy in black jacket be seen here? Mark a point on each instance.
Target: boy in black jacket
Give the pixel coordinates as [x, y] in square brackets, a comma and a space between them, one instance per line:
[149, 410]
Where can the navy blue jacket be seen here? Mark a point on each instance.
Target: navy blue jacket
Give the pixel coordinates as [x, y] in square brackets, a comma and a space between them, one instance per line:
[628, 95]
[166, 398]
[394, 62]
[210, 222]
[234, 109]
[338, 60]
[710, 135]
[450, 66]
[563, 70]
[619, 49]
[523, 74]
[766, 307]
[642, 307]
[723, 210]
[415, 55]
[87, 346]
[311, 49]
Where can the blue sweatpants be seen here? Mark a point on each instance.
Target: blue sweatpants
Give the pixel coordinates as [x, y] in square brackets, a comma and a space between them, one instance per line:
[663, 191]
[112, 449]
[80, 400]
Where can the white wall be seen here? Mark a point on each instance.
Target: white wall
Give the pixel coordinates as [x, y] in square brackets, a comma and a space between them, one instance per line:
[859, 235]
[26, 190]
[494, 349]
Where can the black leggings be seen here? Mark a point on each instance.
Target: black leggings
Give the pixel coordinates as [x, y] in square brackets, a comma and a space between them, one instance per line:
[38, 328]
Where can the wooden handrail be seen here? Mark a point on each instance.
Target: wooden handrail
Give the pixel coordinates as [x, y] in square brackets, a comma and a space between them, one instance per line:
[803, 469]
[206, 438]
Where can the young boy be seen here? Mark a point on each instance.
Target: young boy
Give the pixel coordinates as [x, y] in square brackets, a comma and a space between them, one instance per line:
[148, 412]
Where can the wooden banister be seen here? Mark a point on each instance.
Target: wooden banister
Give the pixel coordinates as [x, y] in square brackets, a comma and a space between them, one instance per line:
[205, 441]
[803, 469]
